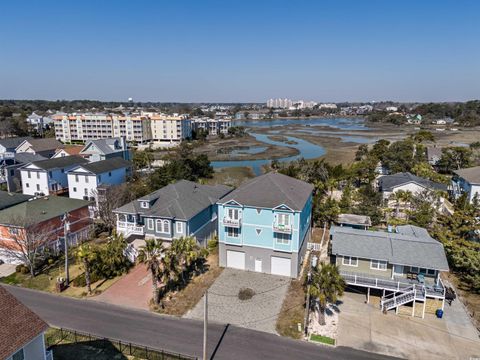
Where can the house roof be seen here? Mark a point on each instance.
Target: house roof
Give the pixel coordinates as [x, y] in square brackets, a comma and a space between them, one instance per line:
[60, 162]
[40, 209]
[72, 149]
[353, 219]
[20, 325]
[100, 167]
[12, 143]
[105, 146]
[182, 200]
[44, 144]
[26, 158]
[8, 199]
[410, 246]
[389, 182]
[271, 190]
[433, 153]
[472, 175]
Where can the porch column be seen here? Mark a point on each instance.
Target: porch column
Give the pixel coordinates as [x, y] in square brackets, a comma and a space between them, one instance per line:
[443, 303]
[368, 295]
[423, 312]
[413, 308]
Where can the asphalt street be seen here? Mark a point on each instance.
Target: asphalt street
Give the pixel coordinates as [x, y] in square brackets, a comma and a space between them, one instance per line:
[174, 334]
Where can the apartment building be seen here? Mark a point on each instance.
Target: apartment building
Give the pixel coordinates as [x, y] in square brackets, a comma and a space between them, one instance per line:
[90, 126]
[212, 126]
[171, 128]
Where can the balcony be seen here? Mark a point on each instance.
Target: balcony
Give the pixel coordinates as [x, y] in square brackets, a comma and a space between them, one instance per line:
[282, 228]
[127, 228]
[234, 223]
[396, 284]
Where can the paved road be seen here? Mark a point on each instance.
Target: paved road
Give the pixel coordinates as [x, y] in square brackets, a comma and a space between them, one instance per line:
[174, 334]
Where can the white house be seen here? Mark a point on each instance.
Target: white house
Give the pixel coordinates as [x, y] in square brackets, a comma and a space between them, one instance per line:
[102, 149]
[45, 147]
[467, 181]
[389, 184]
[84, 179]
[23, 331]
[46, 177]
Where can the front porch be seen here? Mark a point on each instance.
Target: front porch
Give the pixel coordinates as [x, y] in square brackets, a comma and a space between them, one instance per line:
[128, 225]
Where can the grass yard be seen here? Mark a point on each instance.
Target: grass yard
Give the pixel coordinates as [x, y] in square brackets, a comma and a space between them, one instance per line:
[322, 339]
[293, 311]
[180, 302]
[233, 176]
[46, 280]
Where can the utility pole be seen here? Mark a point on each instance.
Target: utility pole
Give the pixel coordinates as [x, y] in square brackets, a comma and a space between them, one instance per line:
[66, 228]
[307, 306]
[205, 324]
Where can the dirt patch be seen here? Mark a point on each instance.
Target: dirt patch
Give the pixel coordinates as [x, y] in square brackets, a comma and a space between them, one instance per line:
[292, 312]
[180, 302]
[246, 294]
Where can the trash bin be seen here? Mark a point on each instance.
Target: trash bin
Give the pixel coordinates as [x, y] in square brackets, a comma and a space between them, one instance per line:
[439, 313]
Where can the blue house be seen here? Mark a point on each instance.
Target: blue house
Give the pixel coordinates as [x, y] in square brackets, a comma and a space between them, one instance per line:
[184, 208]
[265, 225]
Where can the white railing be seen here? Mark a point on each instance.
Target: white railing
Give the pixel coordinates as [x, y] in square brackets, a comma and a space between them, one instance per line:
[49, 355]
[235, 223]
[282, 228]
[314, 246]
[130, 228]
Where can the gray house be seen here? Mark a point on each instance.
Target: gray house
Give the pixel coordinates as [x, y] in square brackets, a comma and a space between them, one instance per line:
[404, 265]
[181, 209]
[389, 184]
[102, 149]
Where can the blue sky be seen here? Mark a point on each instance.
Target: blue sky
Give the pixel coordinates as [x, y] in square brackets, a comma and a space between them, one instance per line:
[229, 51]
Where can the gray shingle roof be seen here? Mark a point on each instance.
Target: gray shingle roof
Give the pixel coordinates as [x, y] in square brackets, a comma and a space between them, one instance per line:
[26, 158]
[99, 167]
[181, 200]
[12, 143]
[472, 175]
[412, 246]
[389, 182]
[60, 162]
[8, 199]
[45, 144]
[105, 146]
[271, 190]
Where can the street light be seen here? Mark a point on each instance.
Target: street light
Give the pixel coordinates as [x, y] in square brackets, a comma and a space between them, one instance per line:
[66, 229]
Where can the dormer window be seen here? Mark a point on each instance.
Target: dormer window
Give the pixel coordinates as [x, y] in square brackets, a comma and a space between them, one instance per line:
[144, 204]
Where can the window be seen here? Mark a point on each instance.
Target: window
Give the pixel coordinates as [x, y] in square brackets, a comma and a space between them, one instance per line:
[86, 179]
[423, 271]
[259, 211]
[38, 187]
[63, 170]
[179, 227]
[431, 272]
[38, 175]
[109, 173]
[166, 226]
[27, 185]
[99, 178]
[18, 355]
[74, 189]
[378, 265]
[259, 231]
[232, 232]
[283, 219]
[76, 178]
[50, 174]
[29, 174]
[85, 191]
[12, 172]
[414, 269]
[144, 204]
[350, 261]
[13, 231]
[233, 214]
[150, 224]
[283, 239]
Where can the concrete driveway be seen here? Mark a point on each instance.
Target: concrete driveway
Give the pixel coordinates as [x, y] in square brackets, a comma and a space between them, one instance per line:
[133, 290]
[365, 327]
[7, 269]
[258, 313]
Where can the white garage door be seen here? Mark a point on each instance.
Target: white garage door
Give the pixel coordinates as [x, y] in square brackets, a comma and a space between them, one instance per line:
[281, 266]
[236, 259]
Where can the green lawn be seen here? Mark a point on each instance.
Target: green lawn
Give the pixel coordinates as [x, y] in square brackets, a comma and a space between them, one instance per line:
[322, 339]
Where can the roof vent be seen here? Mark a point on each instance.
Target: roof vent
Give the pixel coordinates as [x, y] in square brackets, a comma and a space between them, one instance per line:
[43, 212]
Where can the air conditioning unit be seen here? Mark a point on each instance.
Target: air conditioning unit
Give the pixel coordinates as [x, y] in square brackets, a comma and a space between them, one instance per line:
[92, 198]
[85, 198]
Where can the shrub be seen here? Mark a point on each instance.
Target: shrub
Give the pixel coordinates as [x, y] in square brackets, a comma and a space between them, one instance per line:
[80, 280]
[23, 269]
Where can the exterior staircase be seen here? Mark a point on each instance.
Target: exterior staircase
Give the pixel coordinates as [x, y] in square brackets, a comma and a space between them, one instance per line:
[405, 296]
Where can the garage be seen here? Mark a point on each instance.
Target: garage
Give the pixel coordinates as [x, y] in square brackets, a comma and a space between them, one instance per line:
[281, 266]
[236, 259]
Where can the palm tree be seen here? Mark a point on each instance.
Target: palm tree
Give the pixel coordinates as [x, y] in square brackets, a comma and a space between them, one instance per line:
[87, 255]
[327, 285]
[151, 255]
[186, 251]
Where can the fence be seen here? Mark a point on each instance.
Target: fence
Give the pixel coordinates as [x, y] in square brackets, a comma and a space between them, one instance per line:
[56, 336]
[314, 246]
